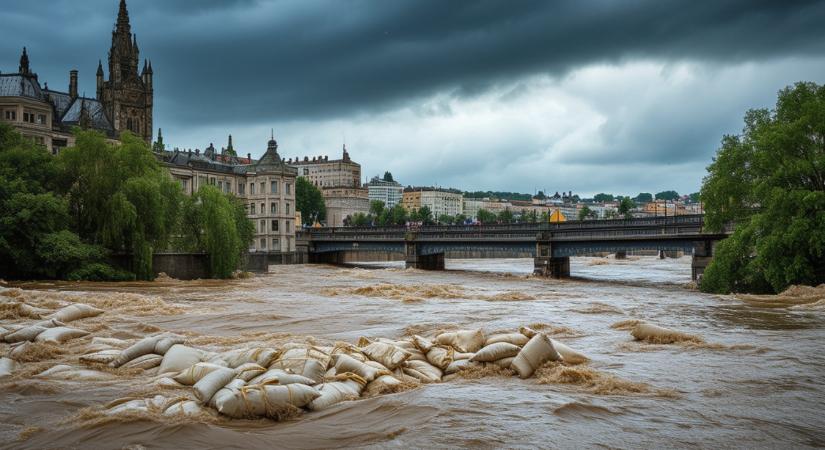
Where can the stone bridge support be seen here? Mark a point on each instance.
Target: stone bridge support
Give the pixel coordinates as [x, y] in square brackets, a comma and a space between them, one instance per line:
[545, 265]
[334, 258]
[702, 255]
[415, 260]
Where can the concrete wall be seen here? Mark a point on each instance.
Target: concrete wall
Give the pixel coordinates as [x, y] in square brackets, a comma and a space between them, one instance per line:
[183, 266]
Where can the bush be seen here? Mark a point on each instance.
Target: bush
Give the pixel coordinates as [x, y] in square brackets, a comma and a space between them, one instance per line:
[99, 272]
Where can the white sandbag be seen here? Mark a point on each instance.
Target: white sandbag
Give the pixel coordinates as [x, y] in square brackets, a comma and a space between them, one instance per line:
[648, 331]
[348, 388]
[422, 343]
[30, 332]
[496, 351]
[166, 383]
[66, 372]
[184, 408]
[345, 363]
[382, 385]
[399, 373]
[264, 400]
[511, 338]
[193, 374]
[568, 354]
[212, 382]
[308, 351]
[423, 371]
[527, 331]
[19, 349]
[155, 344]
[440, 356]
[347, 349]
[467, 341]
[402, 344]
[100, 357]
[112, 342]
[459, 365]
[278, 376]
[136, 405]
[303, 362]
[504, 363]
[76, 311]
[180, 357]
[144, 362]
[331, 372]
[535, 353]
[249, 371]
[7, 367]
[262, 356]
[59, 335]
[387, 354]
[377, 365]
[461, 355]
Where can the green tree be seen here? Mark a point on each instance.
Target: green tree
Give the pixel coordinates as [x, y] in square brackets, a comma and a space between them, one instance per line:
[459, 219]
[220, 236]
[359, 219]
[506, 216]
[485, 216]
[695, 197]
[310, 201]
[625, 207]
[586, 213]
[376, 207]
[601, 198]
[667, 195]
[388, 176]
[424, 215]
[446, 219]
[643, 197]
[531, 216]
[770, 182]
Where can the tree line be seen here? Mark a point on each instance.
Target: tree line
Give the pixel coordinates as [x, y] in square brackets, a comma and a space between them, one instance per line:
[64, 216]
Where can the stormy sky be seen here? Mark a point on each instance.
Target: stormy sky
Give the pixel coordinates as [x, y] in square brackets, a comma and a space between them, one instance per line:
[589, 96]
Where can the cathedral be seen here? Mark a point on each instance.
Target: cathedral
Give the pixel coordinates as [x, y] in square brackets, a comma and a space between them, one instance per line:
[122, 103]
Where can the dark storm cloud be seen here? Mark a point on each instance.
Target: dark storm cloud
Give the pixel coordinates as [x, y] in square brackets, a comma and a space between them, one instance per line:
[248, 61]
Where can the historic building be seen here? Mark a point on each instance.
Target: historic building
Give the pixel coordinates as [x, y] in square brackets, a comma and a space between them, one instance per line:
[123, 102]
[267, 187]
[389, 192]
[340, 183]
[439, 201]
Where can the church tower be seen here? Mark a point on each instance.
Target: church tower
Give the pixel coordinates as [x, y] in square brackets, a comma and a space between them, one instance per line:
[128, 95]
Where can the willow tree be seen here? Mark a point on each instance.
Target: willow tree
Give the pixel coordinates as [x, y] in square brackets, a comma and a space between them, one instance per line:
[770, 183]
[309, 201]
[120, 196]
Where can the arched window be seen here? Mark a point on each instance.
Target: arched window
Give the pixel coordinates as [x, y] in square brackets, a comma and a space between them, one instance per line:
[129, 124]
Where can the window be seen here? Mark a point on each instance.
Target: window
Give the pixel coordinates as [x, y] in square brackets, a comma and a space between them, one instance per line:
[185, 185]
[262, 228]
[227, 187]
[251, 208]
[201, 180]
[286, 210]
[252, 188]
[274, 225]
[220, 185]
[212, 181]
[241, 188]
[288, 226]
[263, 208]
[263, 244]
[11, 114]
[273, 208]
[273, 187]
[41, 119]
[306, 171]
[263, 187]
[287, 187]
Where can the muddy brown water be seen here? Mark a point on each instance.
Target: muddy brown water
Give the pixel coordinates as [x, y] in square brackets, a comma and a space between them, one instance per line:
[759, 381]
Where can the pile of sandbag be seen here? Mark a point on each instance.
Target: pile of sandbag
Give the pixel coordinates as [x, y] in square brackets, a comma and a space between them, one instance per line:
[53, 330]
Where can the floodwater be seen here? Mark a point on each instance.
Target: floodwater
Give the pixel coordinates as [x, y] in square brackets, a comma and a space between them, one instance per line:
[754, 377]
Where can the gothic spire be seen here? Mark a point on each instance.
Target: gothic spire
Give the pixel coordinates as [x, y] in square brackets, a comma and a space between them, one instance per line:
[99, 68]
[123, 19]
[145, 67]
[24, 62]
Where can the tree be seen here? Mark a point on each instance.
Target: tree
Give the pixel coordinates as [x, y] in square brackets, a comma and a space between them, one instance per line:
[644, 197]
[424, 215]
[531, 216]
[388, 176]
[586, 213]
[310, 201]
[221, 237]
[506, 216]
[359, 219]
[376, 207]
[770, 182]
[460, 219]
[695, 197]
[485, 216]
[625, 207]
[667, 195]
[601, 198]
[398, 215]
[446, 219]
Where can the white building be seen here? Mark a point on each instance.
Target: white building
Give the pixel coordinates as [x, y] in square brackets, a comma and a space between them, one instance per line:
[439, 201]
[389, 192]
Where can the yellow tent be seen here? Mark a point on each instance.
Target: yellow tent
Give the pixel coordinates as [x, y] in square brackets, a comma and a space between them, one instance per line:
[557, 217]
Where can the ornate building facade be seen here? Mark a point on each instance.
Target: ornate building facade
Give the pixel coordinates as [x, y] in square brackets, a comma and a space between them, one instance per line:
[123, 102]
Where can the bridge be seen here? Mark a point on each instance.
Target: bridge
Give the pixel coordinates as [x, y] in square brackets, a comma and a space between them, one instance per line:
[550, 244]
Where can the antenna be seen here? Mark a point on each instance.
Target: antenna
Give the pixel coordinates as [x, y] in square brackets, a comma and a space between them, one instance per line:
[272, 133]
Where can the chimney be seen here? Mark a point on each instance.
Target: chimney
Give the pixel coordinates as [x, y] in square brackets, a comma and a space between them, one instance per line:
[249, 157]
[73, 83]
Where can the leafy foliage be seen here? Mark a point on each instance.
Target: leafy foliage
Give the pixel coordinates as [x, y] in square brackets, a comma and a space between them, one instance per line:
[309, 201]
[770, 182]
[667, 195]
[643, 197]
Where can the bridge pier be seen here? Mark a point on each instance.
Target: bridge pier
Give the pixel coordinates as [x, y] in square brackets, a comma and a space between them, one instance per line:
[415, 260]
[545, 265]
[621, 254]
[333, 258]
[702, 255]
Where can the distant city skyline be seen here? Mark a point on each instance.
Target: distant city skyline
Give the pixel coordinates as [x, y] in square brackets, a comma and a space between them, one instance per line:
[518, 96]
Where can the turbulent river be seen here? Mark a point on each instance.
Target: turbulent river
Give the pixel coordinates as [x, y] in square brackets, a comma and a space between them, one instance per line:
[753, 377]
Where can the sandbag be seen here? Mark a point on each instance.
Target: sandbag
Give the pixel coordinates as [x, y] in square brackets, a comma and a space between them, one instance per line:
[75, 312]
[184, 408]
[466, 341]
[278, 376]
[212, 382]
[179, 357]
[534, 353]
[461, 355]
[440, 356]
[264, 400]
[511, 338]
[100, 357]
[302, 362]
[422, 343]
[399, 373]
[496, 351]
[112, 342]
[166, 383]
[30, 332]
[144, 362]
[59, 335]
[307, 351]
[136, 405]
[423, 371]
[249, 371]
[377, 365]
[459, 365]
[382, 385]
[527, 331]
[344, 363]
[334, 392]
[568, 354]
[19, 349]
[7, 367]
[195, 373]
[155, 344]
[331, 372]
[504, 363]
[262, 356]
[347, 349]
[387, 354]
[66, 372]
[646, 330]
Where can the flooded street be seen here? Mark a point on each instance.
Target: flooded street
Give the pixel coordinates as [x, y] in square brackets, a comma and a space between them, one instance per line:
[754, 377]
